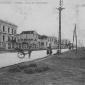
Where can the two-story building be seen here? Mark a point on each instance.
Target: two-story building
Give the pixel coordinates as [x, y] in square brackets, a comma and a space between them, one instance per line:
[8, 32]
[27, 39]
[53, 41]
[45, 41]
[42, 41]
[31, 38]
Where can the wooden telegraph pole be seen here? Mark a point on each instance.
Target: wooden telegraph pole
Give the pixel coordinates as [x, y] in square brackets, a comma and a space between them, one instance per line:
[59, 36]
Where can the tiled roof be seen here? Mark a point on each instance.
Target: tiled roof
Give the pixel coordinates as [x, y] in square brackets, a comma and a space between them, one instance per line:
[27, 32]
[42, 36]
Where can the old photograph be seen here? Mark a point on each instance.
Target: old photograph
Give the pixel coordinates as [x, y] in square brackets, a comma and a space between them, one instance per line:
[42, 42]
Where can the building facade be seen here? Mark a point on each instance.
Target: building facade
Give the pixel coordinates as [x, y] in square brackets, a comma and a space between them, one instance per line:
[64, 43]
[9, 39]
[53, 41]
[27, 39]
[42, 41]
[45, 41]
[8, 32]
[36, 41]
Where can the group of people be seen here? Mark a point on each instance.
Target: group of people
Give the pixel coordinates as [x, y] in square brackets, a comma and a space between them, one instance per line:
[49, 50]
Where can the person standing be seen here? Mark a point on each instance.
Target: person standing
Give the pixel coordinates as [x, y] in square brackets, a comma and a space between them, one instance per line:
[47, 50]
[29, 51]
[50, 49]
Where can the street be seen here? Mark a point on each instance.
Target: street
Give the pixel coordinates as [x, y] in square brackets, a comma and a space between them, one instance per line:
[7, 59]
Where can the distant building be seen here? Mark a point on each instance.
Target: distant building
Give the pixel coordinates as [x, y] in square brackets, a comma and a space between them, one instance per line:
[34, 40]
[53, 41]
[45, 41]
[8, 32]
[42, 41]
[27, 39]
[64, 41]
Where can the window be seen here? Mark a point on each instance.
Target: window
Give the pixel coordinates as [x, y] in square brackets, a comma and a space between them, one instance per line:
[25, 39]
[8, 38]
[12, 45]
[12, 31]
[0, 44]
[8, 30]
[33, 34]
[3, 38]
[9, 45]
[3, 28]
[12, 38]
[19, 45]
[42, 43]
[46, 43]
[52, 39]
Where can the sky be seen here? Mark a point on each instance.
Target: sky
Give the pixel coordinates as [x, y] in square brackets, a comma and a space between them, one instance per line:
[42, 16]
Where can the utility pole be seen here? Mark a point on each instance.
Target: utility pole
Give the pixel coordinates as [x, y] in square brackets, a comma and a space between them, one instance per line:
[75, 37]
[76, 42]
[59, 36]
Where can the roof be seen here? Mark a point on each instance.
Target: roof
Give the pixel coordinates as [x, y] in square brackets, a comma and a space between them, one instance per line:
[6, 22]
[17, 34]
[42, 36]
[27, 32]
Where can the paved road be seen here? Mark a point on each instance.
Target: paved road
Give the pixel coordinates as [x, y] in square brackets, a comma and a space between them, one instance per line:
[7, 59]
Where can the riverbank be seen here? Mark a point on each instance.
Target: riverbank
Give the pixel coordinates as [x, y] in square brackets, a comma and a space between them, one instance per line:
[53, 70]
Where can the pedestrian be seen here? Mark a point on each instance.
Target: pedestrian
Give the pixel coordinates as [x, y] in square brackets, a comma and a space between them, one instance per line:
[50, 51]
[29, 51]
[47, 50]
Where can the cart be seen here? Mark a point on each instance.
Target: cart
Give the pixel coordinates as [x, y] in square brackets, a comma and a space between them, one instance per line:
[21, 53]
